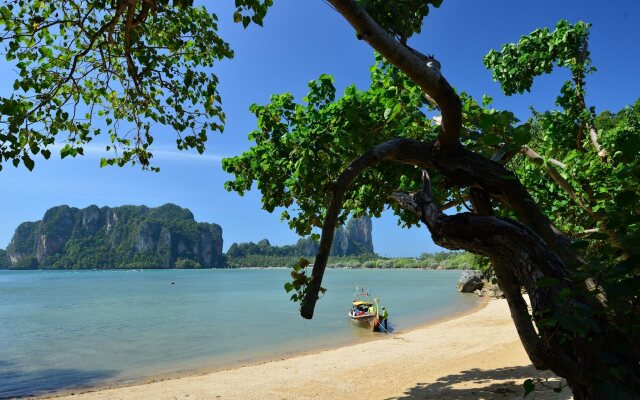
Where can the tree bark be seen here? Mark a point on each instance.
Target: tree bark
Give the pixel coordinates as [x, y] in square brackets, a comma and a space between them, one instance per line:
[520, 257]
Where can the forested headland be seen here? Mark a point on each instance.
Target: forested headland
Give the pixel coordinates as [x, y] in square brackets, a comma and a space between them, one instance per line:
[119, 237]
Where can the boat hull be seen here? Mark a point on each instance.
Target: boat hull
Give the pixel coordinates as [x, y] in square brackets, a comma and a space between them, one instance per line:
[364, 321]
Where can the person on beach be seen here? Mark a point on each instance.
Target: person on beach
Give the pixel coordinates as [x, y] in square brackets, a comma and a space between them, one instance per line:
[384, 317]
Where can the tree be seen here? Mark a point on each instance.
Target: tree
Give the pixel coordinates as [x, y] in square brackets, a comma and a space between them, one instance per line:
[365, 151]
[4, 259]
[94, 65]
[136, 62]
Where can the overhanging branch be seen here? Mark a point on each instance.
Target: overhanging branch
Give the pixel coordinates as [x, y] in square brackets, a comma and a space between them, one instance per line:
[429, 79]
[463, 168]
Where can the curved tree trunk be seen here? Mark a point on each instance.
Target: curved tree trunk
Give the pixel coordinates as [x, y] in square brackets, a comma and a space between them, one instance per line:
[520, 257]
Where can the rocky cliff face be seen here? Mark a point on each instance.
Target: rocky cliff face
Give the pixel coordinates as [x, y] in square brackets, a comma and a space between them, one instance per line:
[359, 238]
[352, 240]
[121, 237]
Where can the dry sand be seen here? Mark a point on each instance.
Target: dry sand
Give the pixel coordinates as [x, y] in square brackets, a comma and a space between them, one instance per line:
[473, 356]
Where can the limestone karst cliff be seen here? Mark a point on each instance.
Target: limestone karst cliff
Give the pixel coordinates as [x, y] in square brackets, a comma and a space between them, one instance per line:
[119, 237]
[351, 240]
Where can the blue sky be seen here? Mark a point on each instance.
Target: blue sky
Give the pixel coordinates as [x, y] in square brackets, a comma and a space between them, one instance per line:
[300, 41]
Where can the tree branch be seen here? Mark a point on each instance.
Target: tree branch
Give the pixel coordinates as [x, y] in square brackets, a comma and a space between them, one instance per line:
[593, 135]
[555, 175]
[379, 153]
[463, 168]
[429, 79]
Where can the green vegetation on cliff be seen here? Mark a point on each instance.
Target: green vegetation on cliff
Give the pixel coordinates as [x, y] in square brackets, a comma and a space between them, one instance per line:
[4, 260]
[120, 237]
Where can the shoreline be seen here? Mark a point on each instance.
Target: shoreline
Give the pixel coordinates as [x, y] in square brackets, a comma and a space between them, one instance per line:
[432, 350]
[258, 361]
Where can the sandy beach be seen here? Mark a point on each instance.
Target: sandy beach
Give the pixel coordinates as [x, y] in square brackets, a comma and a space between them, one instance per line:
[474, 356]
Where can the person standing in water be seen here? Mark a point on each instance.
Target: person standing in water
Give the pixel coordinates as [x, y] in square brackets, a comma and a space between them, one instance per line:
[383, 316]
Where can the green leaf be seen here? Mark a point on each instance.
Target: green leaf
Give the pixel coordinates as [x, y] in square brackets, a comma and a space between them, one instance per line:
[396, 109]
[28, 162]
[326, 78]
[491, 140]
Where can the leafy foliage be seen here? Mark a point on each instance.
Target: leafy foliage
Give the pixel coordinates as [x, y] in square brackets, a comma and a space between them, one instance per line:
[401, 18]
[301, 282]
[187, 263]
[4, 259]
[606, 184]
[586, 177]
[528, 386]
[517, 64]
[301, 148]
[119, 64]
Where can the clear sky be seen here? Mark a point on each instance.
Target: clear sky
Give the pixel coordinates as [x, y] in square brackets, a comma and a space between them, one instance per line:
[302, 39]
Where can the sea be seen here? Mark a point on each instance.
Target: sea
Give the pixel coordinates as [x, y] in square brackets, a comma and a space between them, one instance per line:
[65, 331]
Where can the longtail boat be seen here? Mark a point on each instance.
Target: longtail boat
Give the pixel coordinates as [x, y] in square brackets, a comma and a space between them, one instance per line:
[364, 310]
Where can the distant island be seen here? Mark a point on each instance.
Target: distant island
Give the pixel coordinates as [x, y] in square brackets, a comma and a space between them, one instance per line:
[119, 237]
[353, 240]
[352, 248]
[169, 237]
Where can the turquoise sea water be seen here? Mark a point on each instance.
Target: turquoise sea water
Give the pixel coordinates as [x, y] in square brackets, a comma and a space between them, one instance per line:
[68, 330]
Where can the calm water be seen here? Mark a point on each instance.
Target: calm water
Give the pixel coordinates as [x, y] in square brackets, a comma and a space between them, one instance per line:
[64, 330]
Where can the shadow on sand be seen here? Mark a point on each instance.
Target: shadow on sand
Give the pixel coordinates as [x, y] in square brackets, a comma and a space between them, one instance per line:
[17, 383]
[502, 383]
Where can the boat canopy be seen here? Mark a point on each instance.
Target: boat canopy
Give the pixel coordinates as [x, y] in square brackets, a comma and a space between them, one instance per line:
[360, 303]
